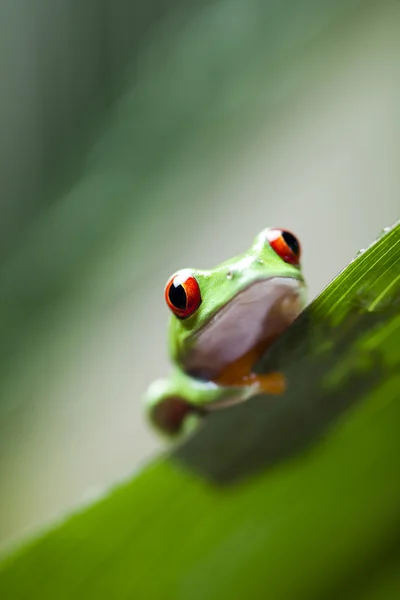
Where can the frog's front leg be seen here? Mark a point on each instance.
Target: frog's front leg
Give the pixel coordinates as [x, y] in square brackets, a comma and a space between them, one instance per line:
[175, 405]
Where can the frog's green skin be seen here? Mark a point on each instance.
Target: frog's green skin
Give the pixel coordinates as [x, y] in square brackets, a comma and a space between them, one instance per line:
[235, 302]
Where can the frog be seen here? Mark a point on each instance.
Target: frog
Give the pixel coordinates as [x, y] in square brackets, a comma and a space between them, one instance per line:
[222, 321]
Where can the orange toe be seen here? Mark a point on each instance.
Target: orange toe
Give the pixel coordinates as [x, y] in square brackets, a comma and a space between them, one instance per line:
[272, 383]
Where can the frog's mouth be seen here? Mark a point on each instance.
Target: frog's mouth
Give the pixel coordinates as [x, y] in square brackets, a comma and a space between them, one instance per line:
[245, 327]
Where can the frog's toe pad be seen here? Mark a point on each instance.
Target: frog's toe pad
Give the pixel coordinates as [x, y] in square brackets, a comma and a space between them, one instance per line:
[170, 414]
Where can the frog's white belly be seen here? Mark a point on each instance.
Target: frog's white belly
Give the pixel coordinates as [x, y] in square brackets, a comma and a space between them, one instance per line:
[258, 313]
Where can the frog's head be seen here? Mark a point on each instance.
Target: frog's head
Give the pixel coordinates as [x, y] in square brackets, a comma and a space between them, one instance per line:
[246, 302]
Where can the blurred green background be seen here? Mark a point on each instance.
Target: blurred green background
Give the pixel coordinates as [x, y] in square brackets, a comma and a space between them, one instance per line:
[142, 137]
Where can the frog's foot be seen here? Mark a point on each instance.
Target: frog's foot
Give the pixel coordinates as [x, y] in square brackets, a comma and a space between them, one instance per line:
[271, 383]
[177, 405]
[174, 416]
[253, 385]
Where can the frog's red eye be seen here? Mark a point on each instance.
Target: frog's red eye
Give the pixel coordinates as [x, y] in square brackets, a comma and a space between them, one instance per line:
[182, 294]
[285, 244]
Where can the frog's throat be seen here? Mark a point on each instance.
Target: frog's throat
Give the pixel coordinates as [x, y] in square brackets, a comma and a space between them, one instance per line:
[239, 334]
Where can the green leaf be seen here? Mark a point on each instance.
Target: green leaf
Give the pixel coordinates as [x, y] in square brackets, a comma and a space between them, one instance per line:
[295, 497]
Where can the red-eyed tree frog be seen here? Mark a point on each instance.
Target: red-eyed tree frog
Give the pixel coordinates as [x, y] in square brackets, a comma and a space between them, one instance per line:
[222, 322]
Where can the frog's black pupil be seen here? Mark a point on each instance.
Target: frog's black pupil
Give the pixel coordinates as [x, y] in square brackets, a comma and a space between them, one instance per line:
[177, 296]
[291, 242]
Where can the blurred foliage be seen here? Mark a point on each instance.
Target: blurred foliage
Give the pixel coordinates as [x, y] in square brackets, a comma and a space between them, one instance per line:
[321, 525]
